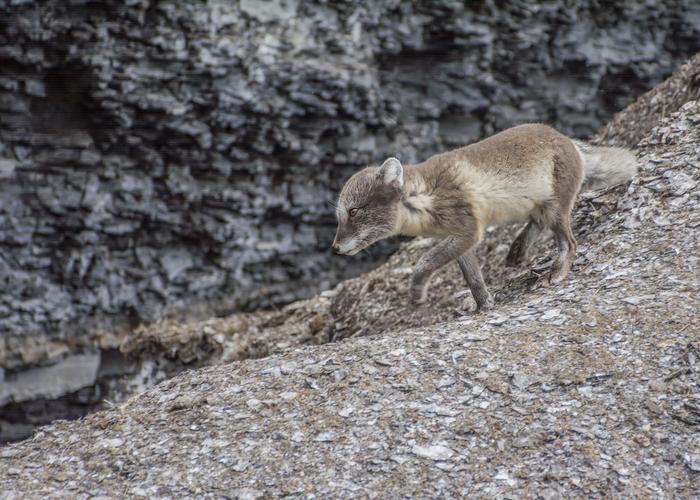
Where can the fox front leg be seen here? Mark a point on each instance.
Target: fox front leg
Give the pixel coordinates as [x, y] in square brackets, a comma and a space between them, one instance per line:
[471, 271]
[445, 251]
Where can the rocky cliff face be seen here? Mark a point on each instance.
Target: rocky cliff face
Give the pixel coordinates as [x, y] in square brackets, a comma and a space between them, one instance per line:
[180, 158]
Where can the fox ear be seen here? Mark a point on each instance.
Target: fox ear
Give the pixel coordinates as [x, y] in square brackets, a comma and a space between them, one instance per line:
[392, 172]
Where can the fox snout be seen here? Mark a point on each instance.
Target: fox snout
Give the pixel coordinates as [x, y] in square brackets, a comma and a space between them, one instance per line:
[339, 247]
[347, 248]
[336, 244]
[344, 244]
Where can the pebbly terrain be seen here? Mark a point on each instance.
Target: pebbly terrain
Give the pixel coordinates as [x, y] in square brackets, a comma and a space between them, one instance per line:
[590, 388]
[172, 158]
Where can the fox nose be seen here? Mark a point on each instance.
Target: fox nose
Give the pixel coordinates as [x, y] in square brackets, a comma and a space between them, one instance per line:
[336, 248]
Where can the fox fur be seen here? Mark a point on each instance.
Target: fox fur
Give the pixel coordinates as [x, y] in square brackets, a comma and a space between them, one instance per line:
[526, 173]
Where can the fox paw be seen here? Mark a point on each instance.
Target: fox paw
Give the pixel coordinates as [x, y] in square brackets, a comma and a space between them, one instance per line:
[417, 295]
[485, 304]
[552, 278]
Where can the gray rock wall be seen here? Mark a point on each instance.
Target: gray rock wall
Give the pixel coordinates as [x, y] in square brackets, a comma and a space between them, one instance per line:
[181, 157]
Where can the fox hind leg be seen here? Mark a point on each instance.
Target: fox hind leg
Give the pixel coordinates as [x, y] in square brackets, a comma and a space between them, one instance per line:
[566, 250]
[568, 175]
[523, 242]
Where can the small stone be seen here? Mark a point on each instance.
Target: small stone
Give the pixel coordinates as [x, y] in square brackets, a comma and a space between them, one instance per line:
[325, 437]
[498, 320]
[288, 368]
[523, 380]
[110, 443]
[445, 382]
[400, 459]
[253, 403]
[632, 300]
[434, 452]
[272, 10]
[175, 262]
[442, 411]
[592, 321]
[505, 476]
[9, 452]
[246, 494]
[240, 466]
[476, 337]
[289, 395]
[681, 183]
[692, 461]
[7, 168]
[585, 390]
[549, 494]
[550, 314]
[317, 369]
[384, 362]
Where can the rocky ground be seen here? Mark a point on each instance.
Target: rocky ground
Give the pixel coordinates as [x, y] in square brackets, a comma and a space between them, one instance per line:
[630, 126]
[589, 388]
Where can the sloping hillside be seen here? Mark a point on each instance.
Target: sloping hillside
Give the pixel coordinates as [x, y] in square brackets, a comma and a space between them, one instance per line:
[636, 121]
[589, 388]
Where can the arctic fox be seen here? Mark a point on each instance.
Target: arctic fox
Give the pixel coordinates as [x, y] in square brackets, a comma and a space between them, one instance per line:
[526, 173]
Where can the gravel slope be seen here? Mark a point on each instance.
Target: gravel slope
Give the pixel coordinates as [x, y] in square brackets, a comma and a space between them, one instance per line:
[590, 388]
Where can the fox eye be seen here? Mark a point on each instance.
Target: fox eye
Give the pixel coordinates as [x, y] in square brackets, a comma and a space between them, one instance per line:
[353, 212]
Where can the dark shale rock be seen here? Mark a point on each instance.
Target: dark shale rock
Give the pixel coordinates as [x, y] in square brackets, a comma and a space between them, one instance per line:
[70, 374]
[172, 157]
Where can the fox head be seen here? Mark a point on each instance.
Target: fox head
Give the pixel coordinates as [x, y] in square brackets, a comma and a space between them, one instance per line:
[368, 207]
